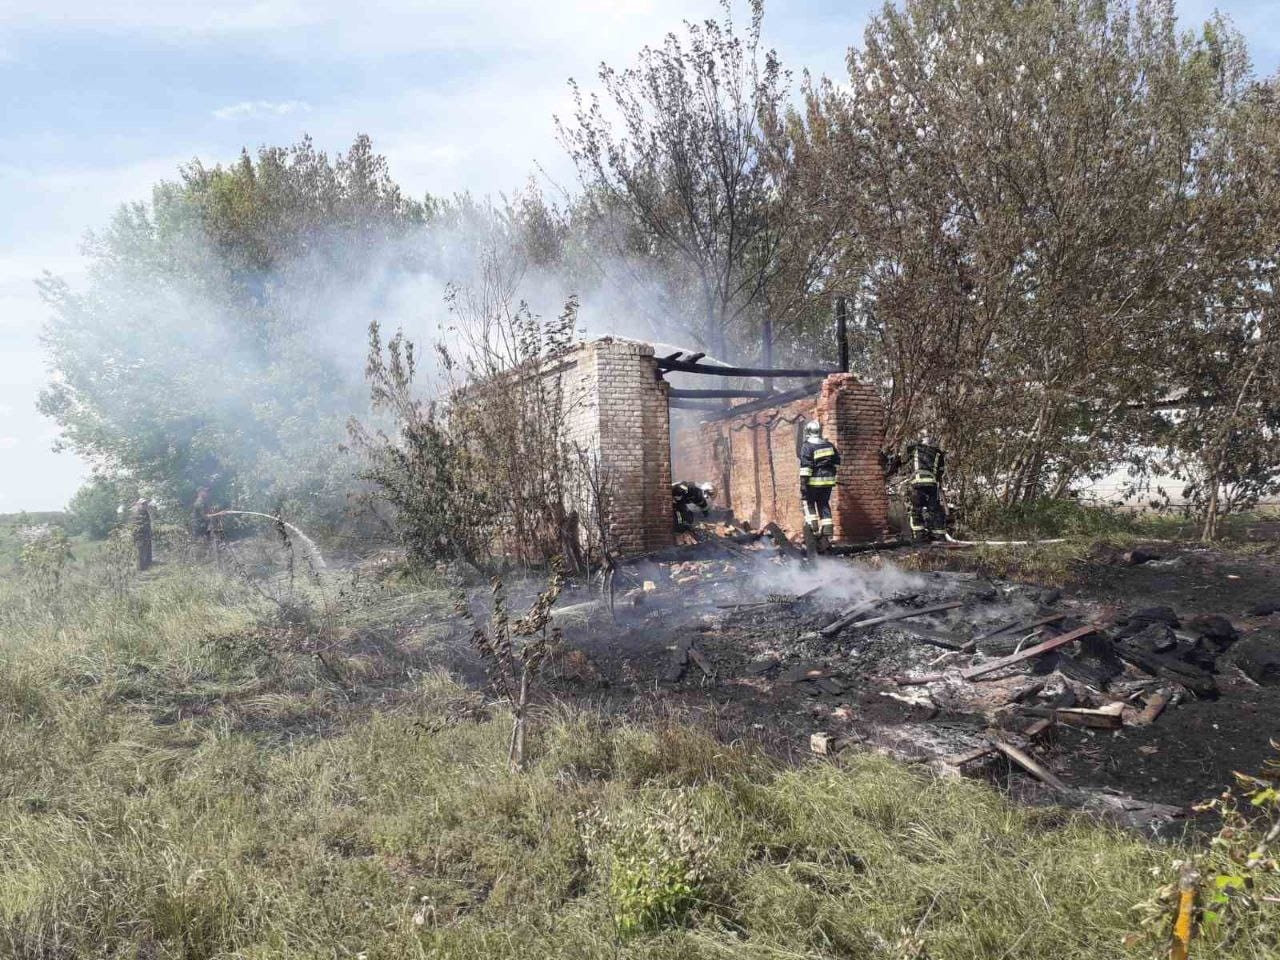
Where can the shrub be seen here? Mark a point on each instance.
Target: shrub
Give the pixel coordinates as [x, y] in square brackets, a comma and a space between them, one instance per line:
[94, 508]
[1046, 518]
[654, 862]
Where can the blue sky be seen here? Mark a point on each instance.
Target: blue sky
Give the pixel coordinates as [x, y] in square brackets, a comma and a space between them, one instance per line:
[100, 100]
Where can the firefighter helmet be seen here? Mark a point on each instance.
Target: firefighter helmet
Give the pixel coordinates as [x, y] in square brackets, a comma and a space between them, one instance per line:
[812, 429]
[708, 490]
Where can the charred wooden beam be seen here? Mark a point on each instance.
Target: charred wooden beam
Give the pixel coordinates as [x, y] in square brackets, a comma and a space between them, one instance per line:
[772, 400]
[907, 614]
[670, 365]
[981, 671]
[1024, 760]
[684, 393]
[677, 403]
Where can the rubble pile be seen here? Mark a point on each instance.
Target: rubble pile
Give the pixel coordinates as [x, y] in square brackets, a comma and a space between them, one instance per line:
[967, 674]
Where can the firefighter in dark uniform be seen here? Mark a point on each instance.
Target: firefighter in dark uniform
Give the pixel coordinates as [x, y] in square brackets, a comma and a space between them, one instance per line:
[818, 461]
[140, 528]
[688, 496]
[199, 518]
[927, 464]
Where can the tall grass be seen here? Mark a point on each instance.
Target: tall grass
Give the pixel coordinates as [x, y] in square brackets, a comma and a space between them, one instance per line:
[150, 808]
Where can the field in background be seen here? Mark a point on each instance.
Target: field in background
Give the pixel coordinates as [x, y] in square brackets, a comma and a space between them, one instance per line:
[190, 769]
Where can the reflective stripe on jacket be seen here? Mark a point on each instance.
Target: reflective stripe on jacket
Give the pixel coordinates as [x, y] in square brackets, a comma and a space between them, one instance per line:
[927, 463]
[818, 462]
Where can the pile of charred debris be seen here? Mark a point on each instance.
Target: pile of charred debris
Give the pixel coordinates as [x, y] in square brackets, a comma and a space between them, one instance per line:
[969, 675]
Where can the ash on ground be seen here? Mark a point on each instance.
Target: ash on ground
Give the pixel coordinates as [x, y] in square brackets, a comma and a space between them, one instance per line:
[1123, 713]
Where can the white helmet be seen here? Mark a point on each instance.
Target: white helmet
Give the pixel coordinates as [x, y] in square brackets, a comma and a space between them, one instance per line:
[708, 490]
[813, 429]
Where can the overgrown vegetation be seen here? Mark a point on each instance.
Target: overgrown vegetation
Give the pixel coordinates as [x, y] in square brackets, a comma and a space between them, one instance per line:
[489, 470]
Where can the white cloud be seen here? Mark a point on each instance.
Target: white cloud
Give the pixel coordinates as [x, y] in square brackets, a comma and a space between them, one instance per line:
[8, 443]
[262, 108]
[6, 410]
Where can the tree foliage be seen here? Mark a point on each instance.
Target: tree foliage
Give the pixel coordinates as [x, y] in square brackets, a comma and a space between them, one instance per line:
[195, 354]
[1043, 201]
[677, 178]
[483, 466]
[95, 510]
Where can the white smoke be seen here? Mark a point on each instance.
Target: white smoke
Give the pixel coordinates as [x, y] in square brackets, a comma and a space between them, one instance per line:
[837, 581]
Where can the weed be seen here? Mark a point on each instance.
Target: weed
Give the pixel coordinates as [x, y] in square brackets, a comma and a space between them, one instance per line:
[654, 862]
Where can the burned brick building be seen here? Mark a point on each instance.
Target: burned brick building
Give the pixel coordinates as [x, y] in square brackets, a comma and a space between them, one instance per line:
[620, 403]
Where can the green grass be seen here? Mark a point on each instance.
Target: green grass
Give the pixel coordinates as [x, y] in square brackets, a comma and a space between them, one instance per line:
[180, 778]
[1077, 520]
[1081, 532]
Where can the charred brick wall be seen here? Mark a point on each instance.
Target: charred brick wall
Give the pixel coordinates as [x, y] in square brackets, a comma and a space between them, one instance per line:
[753, 459]
[616, 408]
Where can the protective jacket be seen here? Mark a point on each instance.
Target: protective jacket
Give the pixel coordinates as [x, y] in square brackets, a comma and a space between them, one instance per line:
[818, 461]
[686, 494]
[927, 464]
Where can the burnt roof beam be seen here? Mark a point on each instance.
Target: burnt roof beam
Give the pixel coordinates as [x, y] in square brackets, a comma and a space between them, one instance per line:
[669, 365]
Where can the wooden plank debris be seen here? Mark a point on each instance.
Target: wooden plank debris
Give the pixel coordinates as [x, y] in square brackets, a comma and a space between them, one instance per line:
[1053, 643]
[1103, 718]
[1018, 625]
[850, 614]
[703, 663]
[1197, 681]
[1030, 690]
[935, 638]
[977, 753]
[805, 671]
[1037, 728]
[781, 541]
[907, 614]
[1155, 706]
[1024, 760]
[1032, 731]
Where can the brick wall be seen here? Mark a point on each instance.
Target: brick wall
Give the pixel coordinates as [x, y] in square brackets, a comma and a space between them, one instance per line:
[753, 461]
[616, 405]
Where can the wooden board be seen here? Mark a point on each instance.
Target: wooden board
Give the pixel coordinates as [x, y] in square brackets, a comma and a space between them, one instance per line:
[1052, 644]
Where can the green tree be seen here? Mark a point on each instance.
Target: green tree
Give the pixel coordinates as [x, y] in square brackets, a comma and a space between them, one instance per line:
[1223, 439]
[94, 510]
[679, 188]
[1021, 183]
[198, 351]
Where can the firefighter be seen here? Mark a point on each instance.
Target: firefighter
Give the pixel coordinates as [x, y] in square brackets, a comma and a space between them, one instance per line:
[927, 464]
[818, 461]
[688, 496]
[199, 518]
[140, 527]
